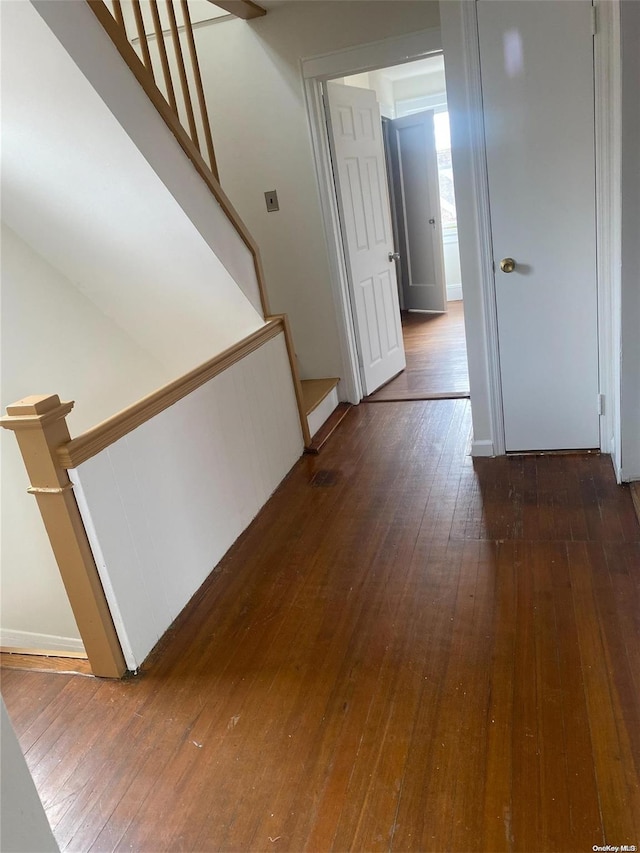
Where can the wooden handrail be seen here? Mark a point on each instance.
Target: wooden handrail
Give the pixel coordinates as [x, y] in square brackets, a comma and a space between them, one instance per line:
[99, 437]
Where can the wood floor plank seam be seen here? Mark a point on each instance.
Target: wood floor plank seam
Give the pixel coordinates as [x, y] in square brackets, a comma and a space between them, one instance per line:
[409, 649]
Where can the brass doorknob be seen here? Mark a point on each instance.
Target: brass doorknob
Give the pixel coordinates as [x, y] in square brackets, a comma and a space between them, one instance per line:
[507, 265]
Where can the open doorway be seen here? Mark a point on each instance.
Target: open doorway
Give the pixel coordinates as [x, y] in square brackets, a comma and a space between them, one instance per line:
[417, 150]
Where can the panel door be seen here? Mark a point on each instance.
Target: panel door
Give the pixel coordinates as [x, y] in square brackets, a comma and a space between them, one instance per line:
[537, 83]
[359, 170]
[417, 193]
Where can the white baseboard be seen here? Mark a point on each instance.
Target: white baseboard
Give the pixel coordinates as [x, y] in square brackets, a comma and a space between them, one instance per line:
[319, 415]
[26, 640]
[454, 292]
[482, 448]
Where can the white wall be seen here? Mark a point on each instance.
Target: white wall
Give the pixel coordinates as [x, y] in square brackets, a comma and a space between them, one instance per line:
[158, 528]
[378, 83]
[252, 78]
[452, 273]
[56, 340]
[53, 340]
[384, 89]
[419, 86]
[23, 824]
[630, 391]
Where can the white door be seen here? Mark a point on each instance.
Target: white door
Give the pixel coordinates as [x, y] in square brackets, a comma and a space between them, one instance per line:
[359, 169]
[414, 163]
[537, 84]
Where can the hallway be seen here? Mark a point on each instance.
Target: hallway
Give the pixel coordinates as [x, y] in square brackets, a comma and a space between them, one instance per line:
[436, 353]
[408, 649]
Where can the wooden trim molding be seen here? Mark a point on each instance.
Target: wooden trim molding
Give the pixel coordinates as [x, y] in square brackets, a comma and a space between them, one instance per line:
[211, 178]
[244, 9]
[483, 237]
[608, 121]
[350, 373]
[41, 660]
[295, 375]
[40, 427]
[47, 653]
[372, 55]
[94, 440]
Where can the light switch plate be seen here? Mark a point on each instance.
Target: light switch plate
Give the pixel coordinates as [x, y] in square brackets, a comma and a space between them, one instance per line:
[271, 199]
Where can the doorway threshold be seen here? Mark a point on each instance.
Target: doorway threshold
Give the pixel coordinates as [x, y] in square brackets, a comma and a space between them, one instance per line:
[408, 396]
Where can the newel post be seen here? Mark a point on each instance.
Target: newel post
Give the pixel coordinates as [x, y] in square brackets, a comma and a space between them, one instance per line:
[40, 427]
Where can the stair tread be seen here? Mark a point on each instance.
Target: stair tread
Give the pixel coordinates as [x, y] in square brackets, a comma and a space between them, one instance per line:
[328, 428]
[315, 390]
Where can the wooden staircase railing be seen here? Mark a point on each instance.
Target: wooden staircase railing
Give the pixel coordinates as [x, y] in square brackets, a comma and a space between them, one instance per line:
[162, 36]
[121, 19]
[117, 30]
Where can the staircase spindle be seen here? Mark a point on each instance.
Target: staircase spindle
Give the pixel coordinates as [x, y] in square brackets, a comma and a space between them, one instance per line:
[184, 83]
[117, 13]
[142, 35]
[200, 91]
[164, 59]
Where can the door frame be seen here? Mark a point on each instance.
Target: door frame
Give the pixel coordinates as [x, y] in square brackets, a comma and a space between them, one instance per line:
[457, 36]
[608, 97]
[315, 72]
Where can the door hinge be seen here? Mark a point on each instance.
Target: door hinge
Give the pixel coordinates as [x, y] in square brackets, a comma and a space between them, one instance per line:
[601, 404]
[594, 20]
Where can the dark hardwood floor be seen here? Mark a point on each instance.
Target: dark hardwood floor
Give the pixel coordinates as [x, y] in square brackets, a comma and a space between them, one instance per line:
[407, 650]
[436, 353]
